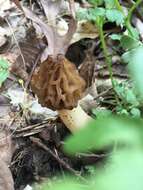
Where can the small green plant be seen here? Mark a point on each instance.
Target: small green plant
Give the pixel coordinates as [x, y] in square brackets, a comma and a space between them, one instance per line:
[104, 11]
[3, 70]
[130, 103]
[112, 11]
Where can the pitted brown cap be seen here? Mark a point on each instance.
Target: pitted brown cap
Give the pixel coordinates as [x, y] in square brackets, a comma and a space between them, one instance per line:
[58, 84]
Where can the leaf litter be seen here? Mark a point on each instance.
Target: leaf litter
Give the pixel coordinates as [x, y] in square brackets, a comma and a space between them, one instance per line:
[21, 43]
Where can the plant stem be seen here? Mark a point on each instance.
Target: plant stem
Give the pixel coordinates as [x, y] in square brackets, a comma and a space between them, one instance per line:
[118, 6]
[135, 5]
[128, 25]
[128, 19]
[106, 55]
[105, 51]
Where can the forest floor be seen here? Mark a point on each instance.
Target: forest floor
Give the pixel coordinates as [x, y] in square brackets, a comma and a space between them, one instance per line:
[33, 150]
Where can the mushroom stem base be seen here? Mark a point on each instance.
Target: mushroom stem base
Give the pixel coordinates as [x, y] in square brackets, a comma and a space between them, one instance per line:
[74, 119]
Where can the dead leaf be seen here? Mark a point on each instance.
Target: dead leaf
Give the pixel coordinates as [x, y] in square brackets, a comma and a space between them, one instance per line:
[52, 9]
[56, 44]
[30, 47]
[85, 29]
[47, 30]
[6, 180]
[5, 5]
[5, 43]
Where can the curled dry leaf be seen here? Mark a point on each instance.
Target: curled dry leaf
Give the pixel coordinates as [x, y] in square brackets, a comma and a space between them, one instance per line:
[56, 44]
[58, 84]
[6, 180]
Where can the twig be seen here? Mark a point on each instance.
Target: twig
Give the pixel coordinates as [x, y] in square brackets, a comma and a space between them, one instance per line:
[38, 142]
[32, 71]
[16, 42]
[32, 126]
[103, 93]
[92, 155]
[30, 130]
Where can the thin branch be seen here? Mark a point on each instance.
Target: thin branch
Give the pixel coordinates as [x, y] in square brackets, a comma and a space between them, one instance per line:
[38, 142]
[32, 71]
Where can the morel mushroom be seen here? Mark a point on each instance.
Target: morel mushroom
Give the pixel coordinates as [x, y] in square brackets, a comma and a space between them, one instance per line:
[57, 82]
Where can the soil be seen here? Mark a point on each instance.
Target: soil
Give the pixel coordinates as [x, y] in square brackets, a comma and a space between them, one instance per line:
[32, 163]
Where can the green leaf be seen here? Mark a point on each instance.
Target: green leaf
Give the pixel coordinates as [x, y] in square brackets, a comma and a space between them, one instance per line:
[64, 184]
[110, 4]
[114, 15]
[101, 112]
[135, 112]
[102, 133]
[133, 32]
[82, 14]
[116, 37]
[120, 89]
[90, 14]
[126, 94]
[131, 98]
[123, 172]
[134, 58]
[96, 2]
[123, 112]
[97, 12]
[3, 70]
[129, 43]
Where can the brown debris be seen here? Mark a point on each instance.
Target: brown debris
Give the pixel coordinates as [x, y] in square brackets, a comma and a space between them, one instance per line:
[58, 84]
[30, 47]
[39, 143]
[6, 180]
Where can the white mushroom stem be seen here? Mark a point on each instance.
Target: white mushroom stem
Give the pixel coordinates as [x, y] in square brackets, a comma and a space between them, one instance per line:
[74, 119]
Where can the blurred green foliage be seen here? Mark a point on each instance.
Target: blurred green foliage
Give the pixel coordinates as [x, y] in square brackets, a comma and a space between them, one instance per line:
[134, 58]
[105, 132]
[124, 165]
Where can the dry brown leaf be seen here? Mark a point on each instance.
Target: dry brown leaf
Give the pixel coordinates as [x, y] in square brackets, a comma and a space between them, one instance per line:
[56, 44]
[6, 180]
[30, 47]
[47, 30]
[85, 29]
[52, 9]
